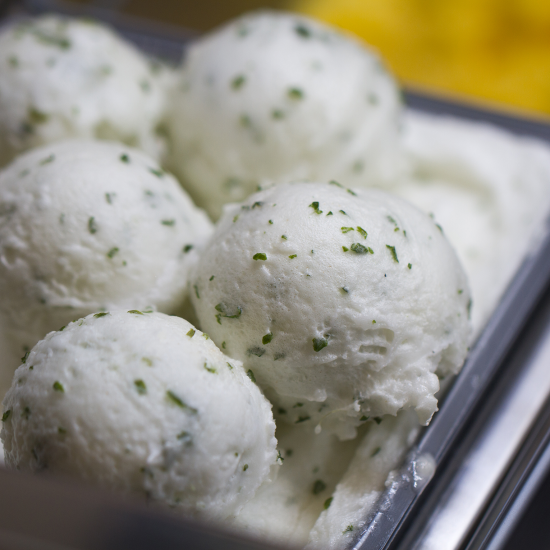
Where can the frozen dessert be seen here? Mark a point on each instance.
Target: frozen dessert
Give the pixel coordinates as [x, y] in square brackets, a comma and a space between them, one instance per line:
[275, 96]
[64, 78]
[345, 304]
[88, 226]
[141, 403]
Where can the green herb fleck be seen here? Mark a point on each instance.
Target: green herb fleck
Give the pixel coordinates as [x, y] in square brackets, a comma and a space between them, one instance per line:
[101, 314]
[184, 436]
[345, 248]
[439, 227]
[278, 355]
[135, 312]
[36, 116]
[343, 212]
[362, 232]
[319, 486]
[250, 375]
[156, 172]
[358, 248]
[191, 333]
[267, 338]
[175, 400]
[376, 451]
[346, 229]
[302, 419]
[270, 222]
[319, 344]
[112, 252]
[25, 357]
[168, 222]
[147, 361]
[351, 192]
[6, 415]
[92, 227]
[280, 410]
[62, 328]
[57, 386]
[245, 467]
[187, 248]
[205, 336]
[348, 529]
[330, 214]
[47, 160]
[377, 419]
[140, 387]
[327, 503]
[292, 256]
[302, 31]
[124, 158]
[223, 344]
[297, 405]
[209, 368]
[230, 366]
[196, 291]
[363, 418]
[238, 82]
[334, 182]
[109, 197]
[295, 94]
[409, 266]
[235, 218]
[259, 256]
[315, 206]
[393, 252]
[345, 290]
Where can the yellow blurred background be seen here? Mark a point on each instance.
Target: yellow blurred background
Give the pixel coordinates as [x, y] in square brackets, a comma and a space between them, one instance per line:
[489, 50]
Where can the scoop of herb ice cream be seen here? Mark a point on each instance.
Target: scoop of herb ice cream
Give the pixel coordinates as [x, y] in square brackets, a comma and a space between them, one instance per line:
[86, 226]
[274, 96]
[62, 78]
[141, 403]
[345, 304]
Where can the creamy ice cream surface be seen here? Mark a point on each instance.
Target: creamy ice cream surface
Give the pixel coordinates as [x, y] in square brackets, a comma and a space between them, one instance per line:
[274, 96]
[141, 403]
[64, 78]
[345, 304]
[88, 226]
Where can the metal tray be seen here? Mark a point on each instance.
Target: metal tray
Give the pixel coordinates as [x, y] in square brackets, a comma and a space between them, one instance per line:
[473, 418]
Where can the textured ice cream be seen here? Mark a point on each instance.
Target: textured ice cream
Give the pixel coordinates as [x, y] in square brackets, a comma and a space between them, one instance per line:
[63, 78]
[86, 226]
[277, 97]
[344, 304]
[141, 403]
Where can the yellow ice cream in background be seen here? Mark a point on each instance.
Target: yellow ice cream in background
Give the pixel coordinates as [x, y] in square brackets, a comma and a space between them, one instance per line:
[493, 49]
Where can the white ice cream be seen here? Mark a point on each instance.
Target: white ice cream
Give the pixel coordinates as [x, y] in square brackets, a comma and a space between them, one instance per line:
[344, 304]
[86, 226]
[144, 404]
[62, 78]
[275, 96]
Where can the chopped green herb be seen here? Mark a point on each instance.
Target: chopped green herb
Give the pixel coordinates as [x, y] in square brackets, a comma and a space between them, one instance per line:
[391, 220]
[376, 451]
[25, 357]
[36, 116]
[230, 366]
[292, 256]
[345, 248]
[362, 232]
[334, 182]
[112, 252]
[196, 291]
[295, 94]
[278, 355]
[363, 418]
[396, 229]
[223, 344]
[210, 369]
[302, 31]
[156, 172]
[6, 415]
[327, 503]
[211, 278]
[168, 222]
[184, 436]
[330, 213]
[250, 375]
[47, 160]
[358, 248]
[346, 229]
[191, 333]
[409, 266]
[235, 218]
[270, 222]
[187, 248]
[377, 419]
[140, 387]
[174, 399]
[62, 328]
[26, 413]
[319, 344]
[279, 458]
[245, 467]
[238, 82]
[315, 206]
[109, 197]
[92, 227]
[297, 405]
[319, 486]
[284, 237]
[205, 336]
[302, 419]
[222, 308]
[124, 158]
[101, 314]
[57, 386]
[147, 361]
[280, 410]
[345, 290]
[135, 312]
[439, 227]
[267, 338]
[348, 529]
[259, 256]
[257, 204]
[351, 192]
[393, 252]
